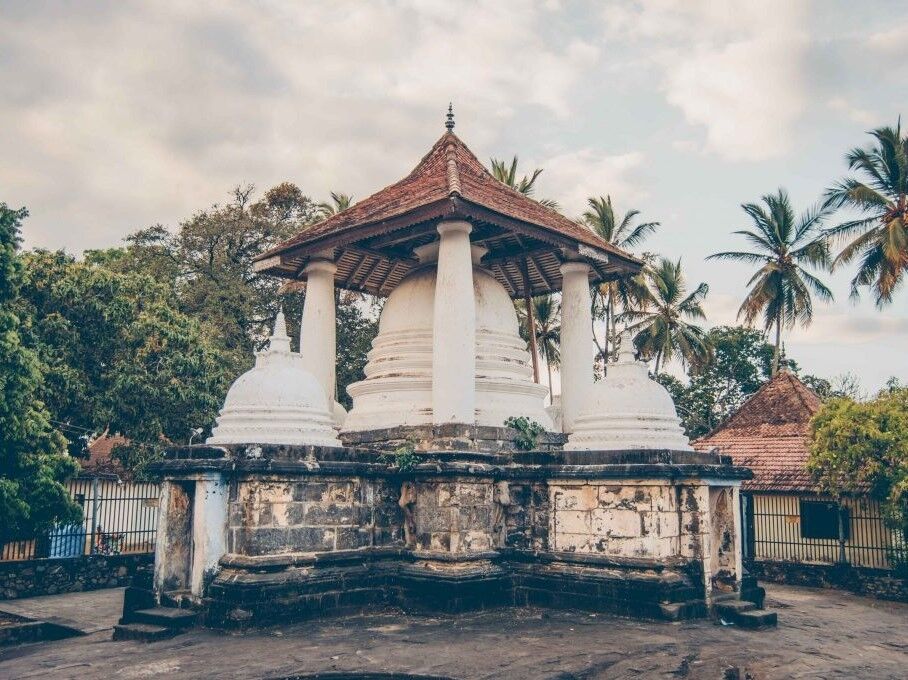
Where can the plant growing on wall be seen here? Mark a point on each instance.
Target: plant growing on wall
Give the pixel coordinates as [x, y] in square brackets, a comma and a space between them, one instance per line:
[528, 432]
[404, 457]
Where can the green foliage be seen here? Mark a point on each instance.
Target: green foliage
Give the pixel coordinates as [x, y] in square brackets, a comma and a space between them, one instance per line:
[781, 289]
[859, 446]
[547, 319]
[208, 264]
[626, 293]
[741, 362]
[878, 239]
[119, 355]
[33, 466]
[526, 185]
[663, 329]
[355, 331]
[404, 457]
[528, 432]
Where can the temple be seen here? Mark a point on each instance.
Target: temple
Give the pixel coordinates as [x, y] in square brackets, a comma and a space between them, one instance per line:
[294, 508]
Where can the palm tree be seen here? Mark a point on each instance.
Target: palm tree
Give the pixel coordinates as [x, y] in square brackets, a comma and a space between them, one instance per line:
[882, 234]
[781, 288]
[507, 174]
[662, 331]
[339, 202]
[546, 319]
[627, 291]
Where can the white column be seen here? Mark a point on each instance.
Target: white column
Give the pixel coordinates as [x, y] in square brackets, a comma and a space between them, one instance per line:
[576, 342]
[318, 335]
[209, 530]
[454, 328]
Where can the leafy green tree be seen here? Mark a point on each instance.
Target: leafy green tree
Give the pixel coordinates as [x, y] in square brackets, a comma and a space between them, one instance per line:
[880, 236]
[741, 362]
[627, 292]
[859, 446]
[663, 330]
[119, 355]
[208, 263]
[33, 464]
[547, 318]
[507, 174]
[781, 289]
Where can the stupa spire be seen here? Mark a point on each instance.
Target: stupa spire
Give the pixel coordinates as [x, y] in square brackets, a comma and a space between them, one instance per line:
[279, 341]
[449, 118]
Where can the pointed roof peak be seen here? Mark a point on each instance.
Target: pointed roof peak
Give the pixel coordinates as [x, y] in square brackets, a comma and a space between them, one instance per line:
[781, 400]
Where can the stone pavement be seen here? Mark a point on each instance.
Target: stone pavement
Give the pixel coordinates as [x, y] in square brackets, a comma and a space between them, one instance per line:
[88, 612]
[821, 634]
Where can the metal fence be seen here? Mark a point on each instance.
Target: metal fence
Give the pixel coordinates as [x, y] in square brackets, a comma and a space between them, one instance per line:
[820, 530]
[117, 518]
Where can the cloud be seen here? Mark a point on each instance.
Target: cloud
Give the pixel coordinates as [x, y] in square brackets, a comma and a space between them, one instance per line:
[571, 177]
[858, 115]
[891, 41]
[121, 115]
[735, 68]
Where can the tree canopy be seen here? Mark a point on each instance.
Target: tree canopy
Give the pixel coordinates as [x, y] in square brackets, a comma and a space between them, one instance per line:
[858, 447]
[33, 464]
[118, 354]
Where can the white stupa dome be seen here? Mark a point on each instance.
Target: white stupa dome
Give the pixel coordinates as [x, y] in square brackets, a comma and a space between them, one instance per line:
[628, 410]
[398, 385]
[276, 402]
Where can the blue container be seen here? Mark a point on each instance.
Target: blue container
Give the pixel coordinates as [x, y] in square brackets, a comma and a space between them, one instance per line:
[66, 540]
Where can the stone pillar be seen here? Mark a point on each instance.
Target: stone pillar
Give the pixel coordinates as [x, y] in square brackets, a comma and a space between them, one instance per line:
[209, 530]
[454, 328]
[576, 342]
[173, 544]
[318, 335]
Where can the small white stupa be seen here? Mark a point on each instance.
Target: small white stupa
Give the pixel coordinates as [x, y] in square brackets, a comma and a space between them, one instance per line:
[277, 401]
[628, 410]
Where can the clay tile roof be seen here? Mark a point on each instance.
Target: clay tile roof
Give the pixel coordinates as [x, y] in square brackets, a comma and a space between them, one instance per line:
[449, 181]
[100, 459]
[770, 435]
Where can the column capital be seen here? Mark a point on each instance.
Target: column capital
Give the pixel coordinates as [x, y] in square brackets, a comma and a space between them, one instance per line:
[326, 266]
[454, 226]
[574, 268]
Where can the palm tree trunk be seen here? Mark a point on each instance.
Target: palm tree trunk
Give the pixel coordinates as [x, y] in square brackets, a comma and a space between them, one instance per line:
[776, 352]
[531, 332]
[658, 359]
[548, 365]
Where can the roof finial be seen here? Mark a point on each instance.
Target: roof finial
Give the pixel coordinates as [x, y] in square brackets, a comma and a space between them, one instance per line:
[449, 118]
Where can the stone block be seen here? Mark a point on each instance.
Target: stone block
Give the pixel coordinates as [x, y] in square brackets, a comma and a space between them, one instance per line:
[473, 494]
[309, 491]
[320, 514]
[616, 522]
[340, 493]
[446, 496]
[310, 539]
[572, 522]
[664, 498]
[585, 497]
[475, 518]
[436, 519]
[350, 538]
[475, 541]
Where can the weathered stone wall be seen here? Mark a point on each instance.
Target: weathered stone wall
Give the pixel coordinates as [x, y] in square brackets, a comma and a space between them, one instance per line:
[619, 520]
[454, 516]
[872, 582]
[49, 577]
[527, 517]
[270, 516]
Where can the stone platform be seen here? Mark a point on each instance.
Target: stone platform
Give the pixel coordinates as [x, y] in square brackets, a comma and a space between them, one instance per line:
[314, 530]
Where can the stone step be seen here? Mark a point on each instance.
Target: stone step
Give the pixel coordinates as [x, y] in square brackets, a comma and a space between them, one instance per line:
[731, 608]
[755, 618]
[144, 632]
[165, 616]
[682, 611]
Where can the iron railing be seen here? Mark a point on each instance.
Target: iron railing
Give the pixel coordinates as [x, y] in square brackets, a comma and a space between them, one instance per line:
[117, 518]
[791, 528]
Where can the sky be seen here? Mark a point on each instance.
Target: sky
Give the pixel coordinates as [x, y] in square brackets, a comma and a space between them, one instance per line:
[119, 115]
